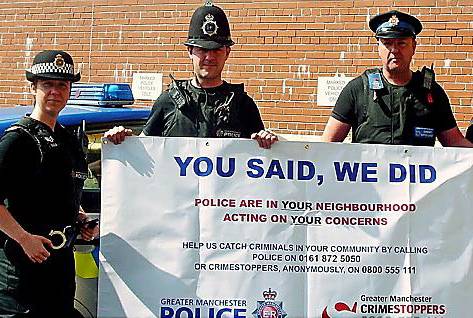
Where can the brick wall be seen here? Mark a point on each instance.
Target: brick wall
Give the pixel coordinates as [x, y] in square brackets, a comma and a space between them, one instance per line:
[282, 48]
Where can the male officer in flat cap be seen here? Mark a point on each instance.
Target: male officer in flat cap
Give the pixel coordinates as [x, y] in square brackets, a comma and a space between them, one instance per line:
[205, 105]
[42, 170]
[394, 105]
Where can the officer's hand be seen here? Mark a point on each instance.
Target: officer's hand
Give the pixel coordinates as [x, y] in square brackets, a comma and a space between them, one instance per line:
[34, 247]
[265, 138]
[89, 233]
[118, 134]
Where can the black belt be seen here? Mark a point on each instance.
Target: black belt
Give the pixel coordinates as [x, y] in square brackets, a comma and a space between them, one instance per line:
[60, 239]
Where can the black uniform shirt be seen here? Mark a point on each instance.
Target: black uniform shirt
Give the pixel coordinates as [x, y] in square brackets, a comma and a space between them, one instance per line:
[197, 117]
[391, 124]
[41, 194]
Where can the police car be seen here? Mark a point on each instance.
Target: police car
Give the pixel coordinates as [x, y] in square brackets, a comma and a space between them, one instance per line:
[91, 110]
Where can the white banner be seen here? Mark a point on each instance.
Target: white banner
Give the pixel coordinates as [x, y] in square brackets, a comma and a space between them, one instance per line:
[219, 228]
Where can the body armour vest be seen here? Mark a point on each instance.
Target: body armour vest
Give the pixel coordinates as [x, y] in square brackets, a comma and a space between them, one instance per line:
[48, 147]
[205, 112]
[392, 114]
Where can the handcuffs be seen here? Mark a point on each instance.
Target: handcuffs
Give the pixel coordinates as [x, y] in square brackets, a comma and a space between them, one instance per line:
[64, 238]
[67, 237]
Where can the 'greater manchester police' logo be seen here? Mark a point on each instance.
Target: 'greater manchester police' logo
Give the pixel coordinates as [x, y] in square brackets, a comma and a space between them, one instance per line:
[269, 308]
[209, 27]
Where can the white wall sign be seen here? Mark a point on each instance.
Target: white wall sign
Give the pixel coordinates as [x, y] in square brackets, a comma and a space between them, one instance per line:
[147, 85]
[329, 88]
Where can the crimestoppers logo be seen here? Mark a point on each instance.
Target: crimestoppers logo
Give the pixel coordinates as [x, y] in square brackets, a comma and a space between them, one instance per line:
[339, 307]
[269, 308]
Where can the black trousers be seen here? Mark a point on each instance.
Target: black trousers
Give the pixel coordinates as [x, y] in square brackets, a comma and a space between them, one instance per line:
[45, 290]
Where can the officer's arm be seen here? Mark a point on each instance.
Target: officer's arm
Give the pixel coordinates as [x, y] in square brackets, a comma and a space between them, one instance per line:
[335, 130]
[118, 134]
[453, 138]
[33, 245]
[10, 226]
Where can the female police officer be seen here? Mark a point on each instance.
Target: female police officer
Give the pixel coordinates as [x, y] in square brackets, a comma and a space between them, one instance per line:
[42, 168]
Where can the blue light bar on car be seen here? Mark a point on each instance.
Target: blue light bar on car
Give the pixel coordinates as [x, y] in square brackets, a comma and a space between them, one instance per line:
[102, 94]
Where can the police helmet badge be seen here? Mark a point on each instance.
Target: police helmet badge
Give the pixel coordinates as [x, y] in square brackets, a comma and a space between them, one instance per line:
[209, 27]
[269, 307]
[394, 20]
[59, 61]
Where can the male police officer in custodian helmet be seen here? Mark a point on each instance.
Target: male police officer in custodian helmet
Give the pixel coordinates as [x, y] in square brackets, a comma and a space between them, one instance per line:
[394, 105]
[42, 170]
[205, 105]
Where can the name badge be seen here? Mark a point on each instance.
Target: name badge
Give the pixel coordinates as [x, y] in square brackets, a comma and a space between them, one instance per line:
[424, 133]
[375, 81]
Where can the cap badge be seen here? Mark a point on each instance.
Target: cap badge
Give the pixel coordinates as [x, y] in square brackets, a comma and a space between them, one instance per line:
[394, 21]
[209, 27]
[59, 61]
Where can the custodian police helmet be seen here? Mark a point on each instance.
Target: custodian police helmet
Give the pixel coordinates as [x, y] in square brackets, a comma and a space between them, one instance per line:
[209, 28]
[52, 64]
[395, 24]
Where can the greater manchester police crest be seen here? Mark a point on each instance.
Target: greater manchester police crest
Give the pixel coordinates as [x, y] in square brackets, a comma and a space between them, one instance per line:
[269, 308]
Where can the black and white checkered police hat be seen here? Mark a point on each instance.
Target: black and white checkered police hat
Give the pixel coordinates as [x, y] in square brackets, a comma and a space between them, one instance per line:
[52, 64]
